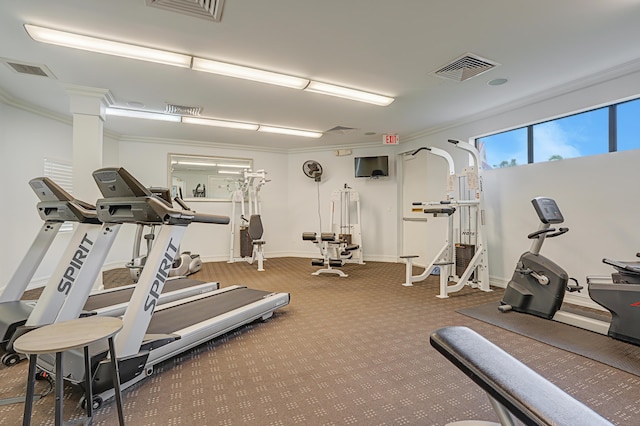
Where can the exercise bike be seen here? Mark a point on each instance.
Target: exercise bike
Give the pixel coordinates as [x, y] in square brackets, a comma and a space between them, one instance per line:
[538, 284]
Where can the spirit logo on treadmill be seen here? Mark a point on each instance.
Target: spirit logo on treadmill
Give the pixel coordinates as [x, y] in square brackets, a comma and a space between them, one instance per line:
[161, 276]
[636, 305]
[79, 256]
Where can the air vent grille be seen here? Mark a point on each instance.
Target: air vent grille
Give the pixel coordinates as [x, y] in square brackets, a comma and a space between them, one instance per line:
[206, 9]
[466, 67]
[182, 110]
[26, 68]
[342, 130]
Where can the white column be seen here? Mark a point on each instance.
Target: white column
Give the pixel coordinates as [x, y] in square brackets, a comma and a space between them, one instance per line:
[88, 105]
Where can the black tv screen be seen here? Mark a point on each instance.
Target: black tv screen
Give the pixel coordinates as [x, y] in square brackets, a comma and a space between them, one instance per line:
[372, 166]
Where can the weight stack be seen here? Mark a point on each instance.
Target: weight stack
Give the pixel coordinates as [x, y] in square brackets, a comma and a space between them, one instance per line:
[464, 254]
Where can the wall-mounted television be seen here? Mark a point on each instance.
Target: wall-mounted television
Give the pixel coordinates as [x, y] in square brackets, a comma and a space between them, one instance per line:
[372, 166]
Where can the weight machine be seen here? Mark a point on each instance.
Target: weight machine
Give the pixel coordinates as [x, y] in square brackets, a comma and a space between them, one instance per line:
[463, 257]
[344, 243]
[250, 230]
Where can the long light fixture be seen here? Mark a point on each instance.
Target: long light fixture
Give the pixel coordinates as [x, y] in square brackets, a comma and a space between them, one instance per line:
[126, 50]
[248, 126]
[76, 41]
[246, 73]
[148, 115]
[220, 123]
[347, 93]
[292, 132]
[195, 163]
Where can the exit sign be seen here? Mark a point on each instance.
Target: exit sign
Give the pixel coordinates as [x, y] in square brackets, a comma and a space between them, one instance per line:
[390, 140]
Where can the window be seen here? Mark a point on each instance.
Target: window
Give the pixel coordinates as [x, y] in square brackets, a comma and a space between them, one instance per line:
[574, 136]
[628, 121]
[602, 130]
[61, 172]
[504, 149]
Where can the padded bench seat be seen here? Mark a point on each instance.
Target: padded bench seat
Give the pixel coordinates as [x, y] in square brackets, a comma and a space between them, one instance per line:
[524, 393]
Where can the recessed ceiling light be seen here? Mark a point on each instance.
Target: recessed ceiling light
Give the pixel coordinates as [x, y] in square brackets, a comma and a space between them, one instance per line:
[497, 82]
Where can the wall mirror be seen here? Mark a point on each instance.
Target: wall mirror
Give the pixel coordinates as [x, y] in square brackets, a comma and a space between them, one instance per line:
[205, 178]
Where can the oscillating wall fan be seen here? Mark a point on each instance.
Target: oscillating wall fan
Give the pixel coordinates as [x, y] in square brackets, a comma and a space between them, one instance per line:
[312, 169]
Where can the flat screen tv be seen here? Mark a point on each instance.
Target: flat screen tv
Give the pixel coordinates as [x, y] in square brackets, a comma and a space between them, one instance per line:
[372, 166]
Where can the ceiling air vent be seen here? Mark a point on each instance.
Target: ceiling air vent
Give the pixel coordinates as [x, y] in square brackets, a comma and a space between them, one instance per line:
[340, 130]
[26, 68]
[206, 9]
[182, 110]
[466, 67]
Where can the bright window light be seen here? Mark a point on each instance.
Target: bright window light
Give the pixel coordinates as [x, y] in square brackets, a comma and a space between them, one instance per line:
[346, 93]
[133, 113]
[76, 41]
[247, 73]
[219, 123]
[292, 132]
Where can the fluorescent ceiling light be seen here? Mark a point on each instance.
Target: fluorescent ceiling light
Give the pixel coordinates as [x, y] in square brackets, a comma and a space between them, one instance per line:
[293, 132]
[93, 44]
[76, 41]
[236, 166]
[132, 113]
[220, 123]
[195, 163]
[237, 71]
[229, 172]
[352, 94]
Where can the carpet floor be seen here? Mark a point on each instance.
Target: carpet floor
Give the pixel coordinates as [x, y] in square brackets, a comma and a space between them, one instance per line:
[345, 351]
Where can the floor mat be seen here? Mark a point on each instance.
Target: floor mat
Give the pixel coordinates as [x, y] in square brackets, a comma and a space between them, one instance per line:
[604, 349]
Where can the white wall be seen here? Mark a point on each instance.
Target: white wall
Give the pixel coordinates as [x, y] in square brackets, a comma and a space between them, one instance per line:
[596, 194]
[25, 145]
[378, 202]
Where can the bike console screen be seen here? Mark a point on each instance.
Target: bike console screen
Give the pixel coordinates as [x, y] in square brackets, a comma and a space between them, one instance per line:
[547, 209]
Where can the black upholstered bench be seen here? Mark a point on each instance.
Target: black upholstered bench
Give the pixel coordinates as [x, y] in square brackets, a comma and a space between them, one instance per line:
[514, 389]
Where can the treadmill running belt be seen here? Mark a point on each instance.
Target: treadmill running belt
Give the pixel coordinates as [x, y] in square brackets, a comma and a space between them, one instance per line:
[101, 300]
[167, 321]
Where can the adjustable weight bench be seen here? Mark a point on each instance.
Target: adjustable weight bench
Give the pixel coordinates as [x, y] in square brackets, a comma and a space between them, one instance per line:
[514, 390]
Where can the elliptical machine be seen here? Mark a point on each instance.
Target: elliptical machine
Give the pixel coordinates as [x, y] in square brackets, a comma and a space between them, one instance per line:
[538, 284]
[184, 264]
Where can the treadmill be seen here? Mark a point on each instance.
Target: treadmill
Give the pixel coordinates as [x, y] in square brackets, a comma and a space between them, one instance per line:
[79, 266]
[151, 333]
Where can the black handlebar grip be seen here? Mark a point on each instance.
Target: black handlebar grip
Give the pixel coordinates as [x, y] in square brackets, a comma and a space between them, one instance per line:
[537, 233]
[560, 232]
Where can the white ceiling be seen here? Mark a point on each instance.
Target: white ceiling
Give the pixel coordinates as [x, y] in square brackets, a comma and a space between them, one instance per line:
[387, 47]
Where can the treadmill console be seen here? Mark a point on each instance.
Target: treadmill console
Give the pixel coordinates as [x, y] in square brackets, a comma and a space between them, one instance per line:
[48, 190]
[547, 209]
[117, 182]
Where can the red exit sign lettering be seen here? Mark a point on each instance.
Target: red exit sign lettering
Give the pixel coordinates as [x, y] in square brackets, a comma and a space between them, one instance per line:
[391, 140]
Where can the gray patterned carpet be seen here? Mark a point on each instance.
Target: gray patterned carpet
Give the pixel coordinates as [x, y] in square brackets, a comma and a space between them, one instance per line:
[345, 351]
